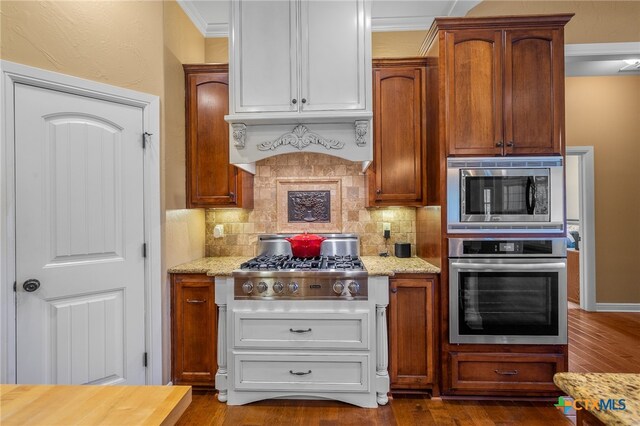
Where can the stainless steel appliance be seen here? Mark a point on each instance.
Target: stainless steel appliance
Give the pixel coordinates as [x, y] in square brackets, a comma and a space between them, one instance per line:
[520, 194]
[304, 327]
[511, 291]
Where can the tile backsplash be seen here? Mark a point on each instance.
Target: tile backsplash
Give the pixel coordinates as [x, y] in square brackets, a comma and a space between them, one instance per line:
[242, 227]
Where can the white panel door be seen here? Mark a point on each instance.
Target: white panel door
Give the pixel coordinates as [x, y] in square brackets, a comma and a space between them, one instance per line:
[265, 56]
[79, 232]
[333, 66]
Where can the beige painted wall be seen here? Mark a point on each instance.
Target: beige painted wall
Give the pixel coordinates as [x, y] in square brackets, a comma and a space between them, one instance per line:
[603, 112]
[396, 44]
[595, 21]
[117, 43]
[216, 50]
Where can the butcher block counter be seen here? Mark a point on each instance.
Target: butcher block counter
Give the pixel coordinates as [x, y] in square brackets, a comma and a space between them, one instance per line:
[92, 405]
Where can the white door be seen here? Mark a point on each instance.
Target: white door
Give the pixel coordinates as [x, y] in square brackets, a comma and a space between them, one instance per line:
[79, 232]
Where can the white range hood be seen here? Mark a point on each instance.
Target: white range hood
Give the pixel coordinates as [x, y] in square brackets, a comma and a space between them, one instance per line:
[300, 80]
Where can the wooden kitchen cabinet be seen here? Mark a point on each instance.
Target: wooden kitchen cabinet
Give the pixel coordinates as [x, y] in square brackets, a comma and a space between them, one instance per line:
[193, 330]
[475, 373]
[211, 180]
[397, 176]
[502, 85]
[412, 332]
[573, 276]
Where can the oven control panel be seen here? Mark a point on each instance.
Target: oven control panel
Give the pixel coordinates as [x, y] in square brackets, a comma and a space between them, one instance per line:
[300, 287]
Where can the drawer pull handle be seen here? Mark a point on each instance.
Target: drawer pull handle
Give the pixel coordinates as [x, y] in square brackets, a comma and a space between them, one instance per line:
[506, 372]
[308, 330]
[299, 373]
[196, 300]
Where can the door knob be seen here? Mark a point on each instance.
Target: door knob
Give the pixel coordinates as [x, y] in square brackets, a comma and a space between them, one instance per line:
[31, 285]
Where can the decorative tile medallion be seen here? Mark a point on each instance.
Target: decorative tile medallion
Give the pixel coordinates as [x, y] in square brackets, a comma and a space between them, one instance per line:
[311, 205]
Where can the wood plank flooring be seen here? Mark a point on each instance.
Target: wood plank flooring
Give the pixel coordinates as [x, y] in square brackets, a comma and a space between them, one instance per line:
[598, 342]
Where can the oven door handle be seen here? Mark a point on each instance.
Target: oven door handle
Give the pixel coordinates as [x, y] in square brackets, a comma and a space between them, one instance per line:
[509, 266]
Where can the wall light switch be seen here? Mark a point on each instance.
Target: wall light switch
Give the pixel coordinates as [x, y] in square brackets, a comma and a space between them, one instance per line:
[218, 231]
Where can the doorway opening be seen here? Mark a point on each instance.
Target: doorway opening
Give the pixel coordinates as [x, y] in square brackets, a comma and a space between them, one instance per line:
[581, 267]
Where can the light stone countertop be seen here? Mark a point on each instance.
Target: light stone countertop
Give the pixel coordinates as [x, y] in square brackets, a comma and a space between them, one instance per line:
[212, 266]
[605, 386]
[376, 265]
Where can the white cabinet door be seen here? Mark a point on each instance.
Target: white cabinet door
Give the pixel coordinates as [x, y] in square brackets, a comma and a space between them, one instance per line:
[264, 56]
[334, 55]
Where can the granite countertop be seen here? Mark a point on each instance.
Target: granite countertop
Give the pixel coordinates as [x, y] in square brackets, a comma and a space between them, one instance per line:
[378, 265]
[212, 266]
[597, 386]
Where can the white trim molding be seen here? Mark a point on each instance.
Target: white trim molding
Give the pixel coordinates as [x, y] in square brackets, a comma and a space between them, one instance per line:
[12, 73]
[602, 49]
[587, 226]
[618, 307]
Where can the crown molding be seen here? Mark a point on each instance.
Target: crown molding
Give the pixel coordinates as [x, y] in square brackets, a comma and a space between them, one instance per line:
[194, 15]
[408, 23]
[602, 49]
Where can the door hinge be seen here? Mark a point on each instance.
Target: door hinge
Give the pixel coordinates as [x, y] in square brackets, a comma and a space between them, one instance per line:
[144, 250]
[146, 137]
[144, 360]
[15, 286]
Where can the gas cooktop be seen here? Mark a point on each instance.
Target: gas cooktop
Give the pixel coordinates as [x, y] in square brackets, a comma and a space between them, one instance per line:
[318, 263]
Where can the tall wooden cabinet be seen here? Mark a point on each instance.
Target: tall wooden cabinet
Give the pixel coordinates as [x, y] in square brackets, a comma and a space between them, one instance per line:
[501, 92]
[412, 336]
[193, 330]
[397, 176]
[502, 85]
[211, 180]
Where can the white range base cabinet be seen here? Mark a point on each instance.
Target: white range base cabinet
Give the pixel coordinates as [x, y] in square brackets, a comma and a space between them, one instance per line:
[300, 62]
[306, 349]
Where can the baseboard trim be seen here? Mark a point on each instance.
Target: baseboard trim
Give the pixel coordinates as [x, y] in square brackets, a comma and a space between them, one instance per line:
[617, 307]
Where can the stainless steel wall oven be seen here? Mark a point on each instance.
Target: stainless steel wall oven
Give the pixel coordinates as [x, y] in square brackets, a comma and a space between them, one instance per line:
[509, 291]
[492, 194]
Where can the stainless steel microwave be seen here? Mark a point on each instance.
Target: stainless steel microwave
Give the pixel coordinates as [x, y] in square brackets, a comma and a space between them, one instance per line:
[510, 194]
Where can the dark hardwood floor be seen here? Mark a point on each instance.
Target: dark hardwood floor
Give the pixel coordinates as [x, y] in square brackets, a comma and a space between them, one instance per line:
[598, 342]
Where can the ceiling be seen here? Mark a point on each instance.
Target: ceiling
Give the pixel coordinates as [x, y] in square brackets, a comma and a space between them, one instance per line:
[211, 17]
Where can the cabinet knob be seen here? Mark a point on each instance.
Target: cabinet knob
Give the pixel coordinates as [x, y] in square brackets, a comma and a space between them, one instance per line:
[232, 195]
[510, 143]
[294, 101]
[499, 144]
[378, 191]
[304, 101]
[394, 290]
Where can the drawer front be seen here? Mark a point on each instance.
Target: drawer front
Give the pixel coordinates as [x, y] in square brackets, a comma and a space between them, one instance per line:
[287, 372]
[505, 371]
[301, 330]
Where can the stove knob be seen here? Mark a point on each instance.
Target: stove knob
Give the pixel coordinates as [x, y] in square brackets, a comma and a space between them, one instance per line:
[278, 287]
[338, 287]
[293, 287]
[354, 287]
[247, 287]
[262, 287]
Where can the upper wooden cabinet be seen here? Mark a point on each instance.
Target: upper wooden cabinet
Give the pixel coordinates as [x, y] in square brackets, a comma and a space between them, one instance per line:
[398, 174]
[502, 85]
[211, 180]
[299, 57]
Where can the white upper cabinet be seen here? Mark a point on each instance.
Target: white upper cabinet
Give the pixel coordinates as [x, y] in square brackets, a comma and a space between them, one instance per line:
[264, 54]
[300, 58]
